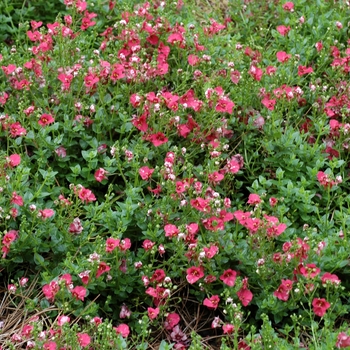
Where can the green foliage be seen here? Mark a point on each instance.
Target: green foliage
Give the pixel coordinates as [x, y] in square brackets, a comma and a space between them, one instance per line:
[157, 163]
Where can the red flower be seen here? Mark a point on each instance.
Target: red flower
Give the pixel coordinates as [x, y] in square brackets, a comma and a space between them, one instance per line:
[229, 277]
[111, 244]
[320, 306]
[46, 213]
[213, 224]
[51, 345]
[50, 290]
[228, 328]
[245, 296]
[288, 6]
[9, 237]
[46, 119]
[152, 313]
[255, 72]
[332, 279]
[283, 290]
[84, 339]
[309, 271]
[14, 160]
[16, 199]
[254, 199]
[343, 340]
[194, 274]
[192, 60]
[302, 70]
[140, 122]
[171, 230]
[123, 329]
[283, 30]
[158, 276]
[102, 268]
[171, 321]
[158, 139]
[145, 172]
[79, 293]
[100, 174]
[86, 195]
[269, 104]
[225, 105]
[212, 303]
[283, 56]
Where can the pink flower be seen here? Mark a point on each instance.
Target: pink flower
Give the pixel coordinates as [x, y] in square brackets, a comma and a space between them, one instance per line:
[343, 340]
[9, 237]
[235, 76]
[309, 271]
[152, 313]
[194, 274]
[84, 339]
[145, 172]
[67, 278]
[123, 330]
[147, 245]
[254, 199]
[224, 105]
[212, 303]
[255, 72]
[79, 293]
[320, 306]
[124, 244]
[302, 70]
[171, 321]
[16, 199]
[124, 312]
[228, 328]
[51, 345]
[158, 276]
[213, 224]
[192, 60]
[102, 268]
[76, 226]
[211, 251]
[111, 244]
[158, 139]
[332, 279]
[86, 195]
[229, 277]
[269, 104]
[85, 276]
[273, 201]
[283, 30]
[171, 230]
[45, 213]
[61, 320]
[283, 56]
[46, 119]
[16, 130]
[288, 6]
[245, 296]
[50, 290]
[14, 160]
[11, 288]
[283, 290]
[61, 151]
[200, 204]
[100, 174]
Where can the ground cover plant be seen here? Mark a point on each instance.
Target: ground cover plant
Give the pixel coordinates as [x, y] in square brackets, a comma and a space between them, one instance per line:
[176, 177]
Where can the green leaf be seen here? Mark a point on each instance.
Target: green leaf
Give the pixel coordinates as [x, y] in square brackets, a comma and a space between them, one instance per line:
[38, 259]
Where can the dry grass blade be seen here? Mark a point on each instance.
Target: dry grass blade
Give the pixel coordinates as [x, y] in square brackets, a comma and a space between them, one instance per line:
[14, 313]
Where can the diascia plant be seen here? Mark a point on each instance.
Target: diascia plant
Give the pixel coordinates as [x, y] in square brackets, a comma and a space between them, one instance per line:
[169, 179]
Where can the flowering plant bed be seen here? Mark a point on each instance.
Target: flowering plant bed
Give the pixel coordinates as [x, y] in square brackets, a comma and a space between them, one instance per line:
[172, 180]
